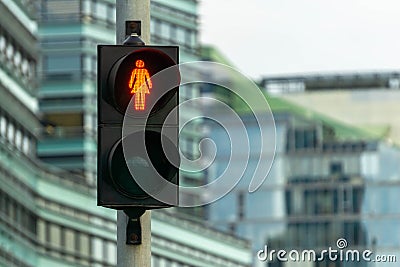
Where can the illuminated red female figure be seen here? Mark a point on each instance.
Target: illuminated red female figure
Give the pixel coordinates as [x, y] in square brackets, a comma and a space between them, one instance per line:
[140, 83]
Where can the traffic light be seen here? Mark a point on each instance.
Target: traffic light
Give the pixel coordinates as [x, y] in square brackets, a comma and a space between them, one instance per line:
[138, 158]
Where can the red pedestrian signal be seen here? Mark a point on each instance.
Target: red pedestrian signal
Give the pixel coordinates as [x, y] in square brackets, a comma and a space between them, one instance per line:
[140, 83]
[129, 75]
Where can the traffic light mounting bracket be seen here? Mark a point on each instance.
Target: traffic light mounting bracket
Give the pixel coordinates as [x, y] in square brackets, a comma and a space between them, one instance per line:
[133, 226]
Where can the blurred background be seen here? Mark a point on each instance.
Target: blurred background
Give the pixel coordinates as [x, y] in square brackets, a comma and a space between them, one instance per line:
[329, 72]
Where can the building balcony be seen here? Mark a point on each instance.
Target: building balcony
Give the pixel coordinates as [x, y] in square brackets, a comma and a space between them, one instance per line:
[65, 147]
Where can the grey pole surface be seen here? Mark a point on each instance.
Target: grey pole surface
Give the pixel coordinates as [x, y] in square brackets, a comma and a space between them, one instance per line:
[133, 255]
[133, 10]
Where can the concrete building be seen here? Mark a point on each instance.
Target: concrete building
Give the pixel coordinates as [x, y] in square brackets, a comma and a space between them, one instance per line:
[176, 22]
[329, 181]
[48, 212]
[367, 100]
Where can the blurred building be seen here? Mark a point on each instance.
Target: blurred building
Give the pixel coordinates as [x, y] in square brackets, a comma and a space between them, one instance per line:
[48, 212]
[329, 180]
[176, 22]
[368, 100]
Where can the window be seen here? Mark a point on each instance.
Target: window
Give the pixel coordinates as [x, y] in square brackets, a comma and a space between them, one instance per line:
[41, 231]
[83, 241]
[60, 9]
[241, 205]
[189, 40]
[18, 139]
[55, 236]
[101, 10]
[25, 66]
[10, 51]
[3, 126]
[26, 145]
[31, 70]
[301, 139]
[63, 63]
[97, 249]
[111, 14]
[180, 35]
[86, 8]
[111, 253]
[87, 64]
[17, 58]
[336, 168]
[165, 33]
[10, 134]
[2, 43]
[69, 240]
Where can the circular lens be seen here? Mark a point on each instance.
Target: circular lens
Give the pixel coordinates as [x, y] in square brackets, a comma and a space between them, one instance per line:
[131, 77]
[120, 174]
[143, 164]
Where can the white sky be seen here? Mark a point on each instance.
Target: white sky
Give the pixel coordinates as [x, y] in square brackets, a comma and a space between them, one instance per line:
[264, 37]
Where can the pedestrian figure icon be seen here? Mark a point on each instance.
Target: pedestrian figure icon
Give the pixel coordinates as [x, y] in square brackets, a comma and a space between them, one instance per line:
[140, 84]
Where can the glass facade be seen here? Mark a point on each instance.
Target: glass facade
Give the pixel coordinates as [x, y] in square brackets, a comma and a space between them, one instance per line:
[69, 32]
[328, 181]
[48, 212]
[176, 23]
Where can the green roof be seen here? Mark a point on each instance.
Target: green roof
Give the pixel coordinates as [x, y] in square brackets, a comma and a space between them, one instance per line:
[210, 53]
[341, 130]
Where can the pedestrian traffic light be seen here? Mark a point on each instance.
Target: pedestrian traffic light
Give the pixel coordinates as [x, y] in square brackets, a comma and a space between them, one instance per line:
[138, 156]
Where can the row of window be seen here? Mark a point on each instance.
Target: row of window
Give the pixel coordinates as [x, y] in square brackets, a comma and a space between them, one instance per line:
[10, 259]
[158, 261]
[15, 135]
[15, 59]
[72, 42]
[69, 67]
[20, 223]
[76, 246]
[79, 247]
[190, 91]
[54, 239]
[16, 215]
[77, 66]
[302, 202]
[190, 252]
[172, 33]
[69, 244]
[320, 201]
[320, 234]
[173, 12]
[100, 10]
[78, 215]
[312, 139]
[85, 10]
[302, 139]
[189, 148]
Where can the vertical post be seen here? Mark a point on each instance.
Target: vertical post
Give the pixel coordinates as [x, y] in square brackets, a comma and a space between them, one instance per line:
[133, 255]
[133, 10]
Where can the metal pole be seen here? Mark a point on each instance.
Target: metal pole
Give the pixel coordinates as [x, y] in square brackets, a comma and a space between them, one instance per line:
[133, 255]
[133, 10]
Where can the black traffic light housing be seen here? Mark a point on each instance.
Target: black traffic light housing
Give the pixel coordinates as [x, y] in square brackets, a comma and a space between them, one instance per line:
[137, 125]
